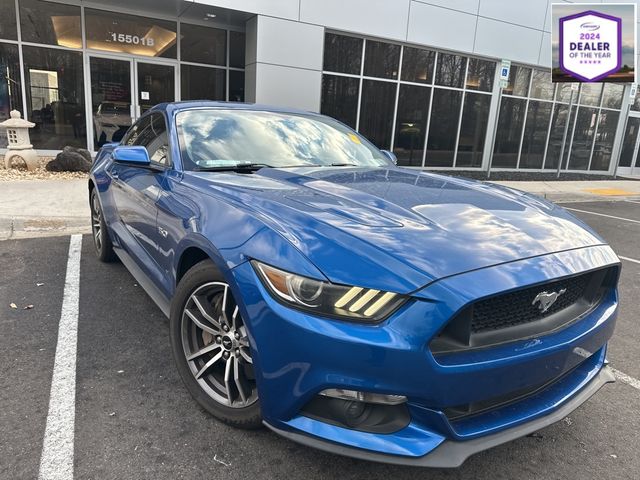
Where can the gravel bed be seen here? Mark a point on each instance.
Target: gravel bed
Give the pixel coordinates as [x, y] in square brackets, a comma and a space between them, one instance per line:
[20, 172]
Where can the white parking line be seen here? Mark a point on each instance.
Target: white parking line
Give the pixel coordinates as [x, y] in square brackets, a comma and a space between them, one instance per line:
[629, 259]
[56, 462]
[602, 215]
[624, 378]
[632, 201]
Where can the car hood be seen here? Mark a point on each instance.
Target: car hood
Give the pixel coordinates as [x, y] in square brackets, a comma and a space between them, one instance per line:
[396, 228]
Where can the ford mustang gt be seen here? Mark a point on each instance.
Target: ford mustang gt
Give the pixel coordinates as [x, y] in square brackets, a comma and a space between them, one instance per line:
[346, 303]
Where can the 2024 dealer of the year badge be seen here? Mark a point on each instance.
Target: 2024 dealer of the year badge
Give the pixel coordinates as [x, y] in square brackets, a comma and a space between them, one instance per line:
[590, 45]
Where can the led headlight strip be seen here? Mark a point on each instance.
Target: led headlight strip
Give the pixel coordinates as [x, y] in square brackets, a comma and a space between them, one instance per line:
[327, 298]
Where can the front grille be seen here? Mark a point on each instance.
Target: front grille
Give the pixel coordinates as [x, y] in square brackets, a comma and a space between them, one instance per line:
[514, 315]
[516, 308]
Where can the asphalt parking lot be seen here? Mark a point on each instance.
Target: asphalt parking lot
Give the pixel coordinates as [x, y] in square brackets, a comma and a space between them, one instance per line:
[135, 420]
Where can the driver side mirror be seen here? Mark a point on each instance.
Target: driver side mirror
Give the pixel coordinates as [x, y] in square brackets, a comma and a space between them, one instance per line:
[135, 156]
[391, 156]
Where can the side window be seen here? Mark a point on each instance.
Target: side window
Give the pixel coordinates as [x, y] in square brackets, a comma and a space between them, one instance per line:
[132, 134]
[151, 132]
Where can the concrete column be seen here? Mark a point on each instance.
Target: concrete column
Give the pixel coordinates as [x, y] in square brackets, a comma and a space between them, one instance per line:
[283, 63]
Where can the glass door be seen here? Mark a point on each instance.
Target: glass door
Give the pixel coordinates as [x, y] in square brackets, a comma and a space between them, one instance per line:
[156, 83]
[629, 158]
[111, 110]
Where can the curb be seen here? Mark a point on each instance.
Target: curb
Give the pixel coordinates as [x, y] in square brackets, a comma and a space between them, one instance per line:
[29, 227]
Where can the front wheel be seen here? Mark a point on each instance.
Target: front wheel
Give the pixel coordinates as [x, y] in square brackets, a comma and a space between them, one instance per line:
[101, 239]
[211, 347]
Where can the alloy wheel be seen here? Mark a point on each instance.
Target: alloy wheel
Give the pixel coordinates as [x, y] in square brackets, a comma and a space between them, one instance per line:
[96, 221]
[216, 346]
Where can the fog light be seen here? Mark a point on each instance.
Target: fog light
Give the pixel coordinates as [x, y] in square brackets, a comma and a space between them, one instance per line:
[365, 397]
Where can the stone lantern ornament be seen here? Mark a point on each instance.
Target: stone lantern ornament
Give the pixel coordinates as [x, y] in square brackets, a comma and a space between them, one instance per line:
[19, 147]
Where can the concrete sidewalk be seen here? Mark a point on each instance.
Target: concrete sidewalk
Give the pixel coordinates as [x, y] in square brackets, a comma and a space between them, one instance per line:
[579, 190]
[32, 208]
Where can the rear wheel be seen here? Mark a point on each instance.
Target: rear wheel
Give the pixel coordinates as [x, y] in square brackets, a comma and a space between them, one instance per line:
[211, 347]
[101, 240]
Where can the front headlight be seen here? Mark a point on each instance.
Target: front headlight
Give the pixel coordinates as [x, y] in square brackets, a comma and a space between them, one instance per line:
[324, 298]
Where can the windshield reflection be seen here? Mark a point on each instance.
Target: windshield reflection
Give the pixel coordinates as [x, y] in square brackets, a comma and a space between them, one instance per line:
[213, 138]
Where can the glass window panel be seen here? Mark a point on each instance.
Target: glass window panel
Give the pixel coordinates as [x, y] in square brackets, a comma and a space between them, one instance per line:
[535, 134]
[473, 130]
[612, 95]
[342, 54]
[55, 97]
[236, 49]
[607, 124]
[518, 81]
[381, 59]
[636, 104]
[236, 86]
[203, 44]
[629, 141]
[443, 128]
[110, 99]
[376, 112]
[10, 91]
[340, 98]
[583, 138]
[590, 94]
[411, 124]
[558, 123]
[116, 32]
[450, 70]
[50, 23]
[541, 86]
[480, 75]
[202, 83]
[156, 84]
[509, 132]
[564, 93]
[8, 21]
[417, 65]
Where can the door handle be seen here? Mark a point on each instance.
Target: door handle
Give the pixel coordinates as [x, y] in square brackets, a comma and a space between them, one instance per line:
[114, 173]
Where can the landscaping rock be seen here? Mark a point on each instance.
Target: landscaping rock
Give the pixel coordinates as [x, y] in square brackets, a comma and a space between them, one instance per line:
[71, 159]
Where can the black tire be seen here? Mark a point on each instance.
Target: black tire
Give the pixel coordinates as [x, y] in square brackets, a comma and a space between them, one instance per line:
[187, 338]
[100, 234]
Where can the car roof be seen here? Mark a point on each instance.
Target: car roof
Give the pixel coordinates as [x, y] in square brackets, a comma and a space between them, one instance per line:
[172, 107]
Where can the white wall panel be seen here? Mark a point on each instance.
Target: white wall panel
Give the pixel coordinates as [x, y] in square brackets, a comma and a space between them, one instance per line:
[288, 87]
[293, 44]
[504, 40]
[545, 50]
[441, 27]
[469, 6]
[380, 18]
[529, 13]
[276, 8]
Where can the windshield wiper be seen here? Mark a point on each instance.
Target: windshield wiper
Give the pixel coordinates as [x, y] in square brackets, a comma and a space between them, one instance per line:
[234, 168]
[343, 165]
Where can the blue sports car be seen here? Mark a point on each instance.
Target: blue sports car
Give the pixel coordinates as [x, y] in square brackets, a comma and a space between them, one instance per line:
[346, 303]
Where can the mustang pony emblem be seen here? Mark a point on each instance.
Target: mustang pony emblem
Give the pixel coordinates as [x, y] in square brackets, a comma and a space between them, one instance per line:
[547, 299]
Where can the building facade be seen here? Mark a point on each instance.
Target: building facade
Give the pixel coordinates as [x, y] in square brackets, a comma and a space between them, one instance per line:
[418, 77]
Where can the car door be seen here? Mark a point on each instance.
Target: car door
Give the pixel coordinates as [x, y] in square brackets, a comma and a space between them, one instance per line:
[136, 190]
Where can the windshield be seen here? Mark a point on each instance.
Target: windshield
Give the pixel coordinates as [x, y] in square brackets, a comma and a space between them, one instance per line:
[214, 138]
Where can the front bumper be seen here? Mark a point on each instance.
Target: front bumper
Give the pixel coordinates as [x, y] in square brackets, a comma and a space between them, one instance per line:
[451, 453]
[298, 355]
